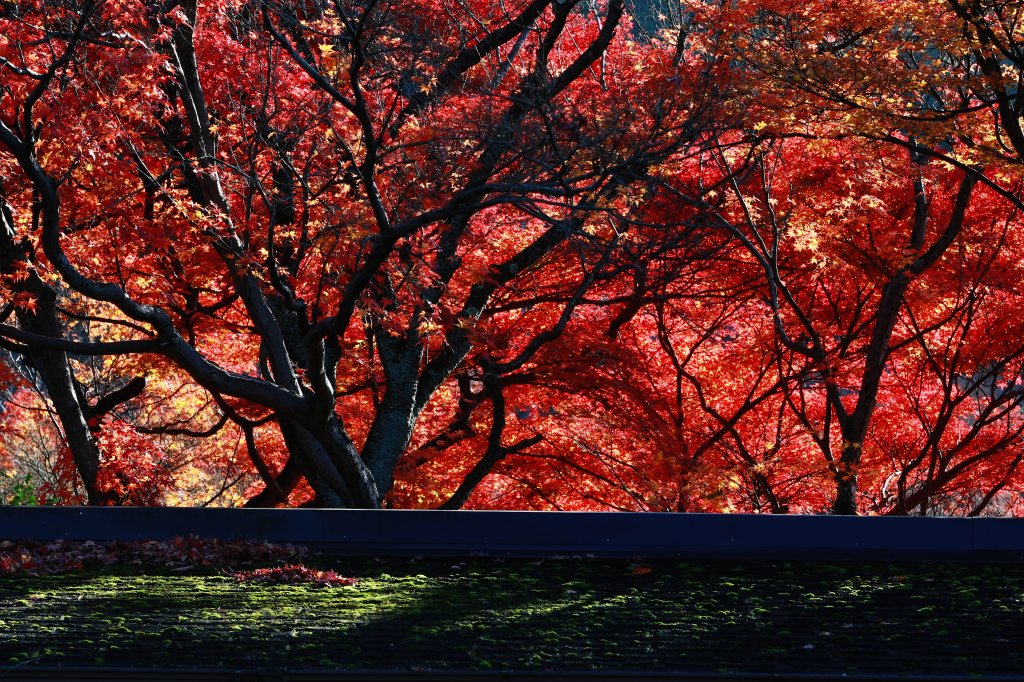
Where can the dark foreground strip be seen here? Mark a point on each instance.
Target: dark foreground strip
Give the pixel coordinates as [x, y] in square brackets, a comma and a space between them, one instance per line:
[462, 533]
[156, 675]
[517, 618]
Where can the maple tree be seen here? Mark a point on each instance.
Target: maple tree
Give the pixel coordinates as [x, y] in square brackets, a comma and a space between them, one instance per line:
[528, 255]
[219, 263]
[911, 90]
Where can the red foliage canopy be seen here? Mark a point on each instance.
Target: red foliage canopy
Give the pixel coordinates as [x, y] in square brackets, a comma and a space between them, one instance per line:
[761, 256]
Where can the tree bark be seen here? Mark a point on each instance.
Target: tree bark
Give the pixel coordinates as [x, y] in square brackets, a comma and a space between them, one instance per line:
[51, 364]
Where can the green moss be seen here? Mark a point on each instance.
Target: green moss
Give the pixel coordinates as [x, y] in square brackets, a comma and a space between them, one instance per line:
[575, 614]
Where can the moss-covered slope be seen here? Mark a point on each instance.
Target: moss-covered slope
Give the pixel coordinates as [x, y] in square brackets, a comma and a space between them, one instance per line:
[568, 614]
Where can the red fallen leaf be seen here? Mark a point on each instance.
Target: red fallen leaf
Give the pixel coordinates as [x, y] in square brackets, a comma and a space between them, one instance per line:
[642, 570]
[294, 574]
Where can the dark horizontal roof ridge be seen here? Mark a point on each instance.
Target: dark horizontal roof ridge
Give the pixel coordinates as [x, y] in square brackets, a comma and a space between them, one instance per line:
[511, 533]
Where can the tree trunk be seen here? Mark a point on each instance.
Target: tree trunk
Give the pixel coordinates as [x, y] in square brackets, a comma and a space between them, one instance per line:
[52, 365]
[845, 503]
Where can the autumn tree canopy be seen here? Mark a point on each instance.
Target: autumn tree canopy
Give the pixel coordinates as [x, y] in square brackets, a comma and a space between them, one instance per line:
[754, 256]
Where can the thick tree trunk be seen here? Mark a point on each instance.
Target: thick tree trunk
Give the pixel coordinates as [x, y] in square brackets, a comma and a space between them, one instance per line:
[55, 372]
[395, 420]
[845, 503]
[51, 364]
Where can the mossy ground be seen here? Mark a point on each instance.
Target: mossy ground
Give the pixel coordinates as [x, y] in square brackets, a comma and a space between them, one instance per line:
[566, 614]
